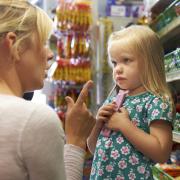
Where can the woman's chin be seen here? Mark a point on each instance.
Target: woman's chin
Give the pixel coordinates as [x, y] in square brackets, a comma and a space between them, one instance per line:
[41, 84]
[37, 86]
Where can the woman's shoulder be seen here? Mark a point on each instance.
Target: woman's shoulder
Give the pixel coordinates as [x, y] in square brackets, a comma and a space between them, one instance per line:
[23, 105]
[43, 120]
[42, 113]
[28, 111]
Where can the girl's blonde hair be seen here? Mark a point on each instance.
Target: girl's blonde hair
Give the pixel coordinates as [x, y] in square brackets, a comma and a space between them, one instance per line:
[24, 19]
[145, 44]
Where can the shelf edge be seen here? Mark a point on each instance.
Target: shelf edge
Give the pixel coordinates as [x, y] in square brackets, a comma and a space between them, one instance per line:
[176, 137]
[163, 33]
[173, 76]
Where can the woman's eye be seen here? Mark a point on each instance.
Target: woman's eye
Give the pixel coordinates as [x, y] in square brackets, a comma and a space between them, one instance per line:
[46, 44]
[50, 62]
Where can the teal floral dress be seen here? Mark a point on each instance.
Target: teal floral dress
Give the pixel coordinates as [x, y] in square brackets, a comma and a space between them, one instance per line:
[115, 158]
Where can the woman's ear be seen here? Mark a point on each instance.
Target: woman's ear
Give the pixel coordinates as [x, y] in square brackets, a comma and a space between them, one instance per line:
[10, 40]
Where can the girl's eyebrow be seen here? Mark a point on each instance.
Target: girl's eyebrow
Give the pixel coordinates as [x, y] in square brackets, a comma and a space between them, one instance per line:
[112, 59]
[126, 55]
[122, 55]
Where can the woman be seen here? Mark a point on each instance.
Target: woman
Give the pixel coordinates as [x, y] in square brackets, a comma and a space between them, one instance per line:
[31, 136]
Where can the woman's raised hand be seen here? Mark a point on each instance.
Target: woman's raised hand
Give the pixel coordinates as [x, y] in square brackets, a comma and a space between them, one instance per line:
[79, 120]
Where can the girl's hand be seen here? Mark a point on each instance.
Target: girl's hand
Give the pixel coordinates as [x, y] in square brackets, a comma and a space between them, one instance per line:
[119, 120]
[104, 113]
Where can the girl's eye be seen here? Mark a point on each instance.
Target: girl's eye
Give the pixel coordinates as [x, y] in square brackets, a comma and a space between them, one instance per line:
[126, 60]
[114, 63]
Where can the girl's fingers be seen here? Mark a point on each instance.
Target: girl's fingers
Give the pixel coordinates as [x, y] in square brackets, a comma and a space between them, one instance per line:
[105, 113]
[103, 119]
[110, 107]
[123, 110]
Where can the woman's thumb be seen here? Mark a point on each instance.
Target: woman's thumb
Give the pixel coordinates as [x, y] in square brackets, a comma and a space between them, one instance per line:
[69, 101]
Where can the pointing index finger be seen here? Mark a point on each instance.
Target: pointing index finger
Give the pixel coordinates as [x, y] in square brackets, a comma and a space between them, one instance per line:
[84, 93]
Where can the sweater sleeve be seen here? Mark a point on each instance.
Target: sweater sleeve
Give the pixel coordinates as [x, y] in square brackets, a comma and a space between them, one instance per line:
[74, 161]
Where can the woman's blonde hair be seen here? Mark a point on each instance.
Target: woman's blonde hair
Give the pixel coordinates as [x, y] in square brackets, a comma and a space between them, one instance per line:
[145, 44]
[24, 19]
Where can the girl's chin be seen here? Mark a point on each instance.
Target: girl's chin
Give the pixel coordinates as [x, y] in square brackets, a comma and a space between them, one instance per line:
[122, 87]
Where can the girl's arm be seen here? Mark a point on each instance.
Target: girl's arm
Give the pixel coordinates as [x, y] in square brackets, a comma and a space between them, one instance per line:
[103, 116]
[156, 145]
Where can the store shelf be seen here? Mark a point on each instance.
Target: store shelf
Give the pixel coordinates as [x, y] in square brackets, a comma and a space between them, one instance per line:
[173, 76]
[159, 174]
[176, 137]
[155, 178]
[160, 5]
[170, 31]
[119, 22]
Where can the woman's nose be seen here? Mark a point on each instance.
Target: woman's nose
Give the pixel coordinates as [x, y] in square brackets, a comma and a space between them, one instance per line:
[50, 54]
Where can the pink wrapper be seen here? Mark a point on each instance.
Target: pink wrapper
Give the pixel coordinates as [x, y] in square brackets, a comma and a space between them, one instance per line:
[119, 101]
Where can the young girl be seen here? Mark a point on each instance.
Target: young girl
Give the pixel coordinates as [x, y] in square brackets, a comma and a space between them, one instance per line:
[141, 130]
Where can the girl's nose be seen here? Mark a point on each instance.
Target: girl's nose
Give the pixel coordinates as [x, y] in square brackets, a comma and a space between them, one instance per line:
[118, 69]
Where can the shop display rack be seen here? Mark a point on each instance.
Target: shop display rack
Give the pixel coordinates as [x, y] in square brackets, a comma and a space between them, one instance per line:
[166, 23]
[160, 5]
[159, 174]
[173, 76]
[166, 34]
[170, 30]
[172, 65]
[176, 136]
[74, 21]
[73, 52]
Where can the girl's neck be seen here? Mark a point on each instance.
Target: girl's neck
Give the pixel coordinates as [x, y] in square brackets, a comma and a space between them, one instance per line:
[136, 91]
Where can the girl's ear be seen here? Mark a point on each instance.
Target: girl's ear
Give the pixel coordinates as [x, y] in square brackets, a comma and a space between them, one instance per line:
[10, 40]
